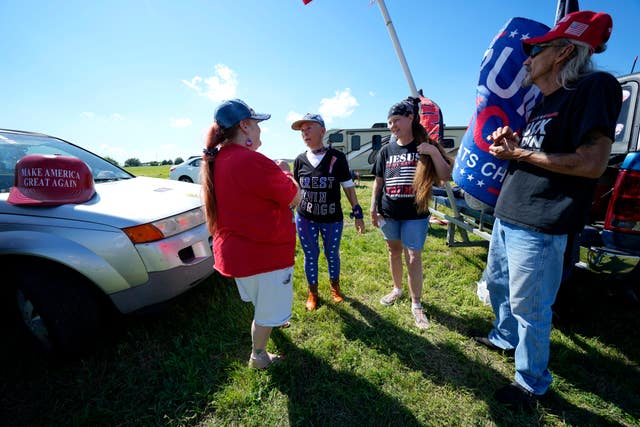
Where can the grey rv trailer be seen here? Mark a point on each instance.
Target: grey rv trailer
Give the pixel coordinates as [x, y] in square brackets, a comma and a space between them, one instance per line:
[361, 145]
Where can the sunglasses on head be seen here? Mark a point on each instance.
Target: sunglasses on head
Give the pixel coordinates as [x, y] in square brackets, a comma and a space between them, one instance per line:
[538, 48]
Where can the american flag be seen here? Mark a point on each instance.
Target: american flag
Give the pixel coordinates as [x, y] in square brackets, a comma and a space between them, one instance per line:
[576, 29]
[399, 176]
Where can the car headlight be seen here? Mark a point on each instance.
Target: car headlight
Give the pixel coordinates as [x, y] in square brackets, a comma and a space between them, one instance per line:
[166, 227]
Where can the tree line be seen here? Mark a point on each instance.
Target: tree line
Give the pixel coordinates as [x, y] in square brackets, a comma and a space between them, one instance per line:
[136, 162]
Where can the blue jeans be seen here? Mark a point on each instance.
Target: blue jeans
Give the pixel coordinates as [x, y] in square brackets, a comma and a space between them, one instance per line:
[523, 273]
[309, 232]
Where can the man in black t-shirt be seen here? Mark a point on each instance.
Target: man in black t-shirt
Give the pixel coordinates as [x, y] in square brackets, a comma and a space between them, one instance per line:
[320, 172]
[547, 192]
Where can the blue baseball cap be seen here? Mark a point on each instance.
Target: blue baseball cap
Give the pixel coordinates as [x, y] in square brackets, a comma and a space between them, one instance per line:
[309, 117]
[232, 111]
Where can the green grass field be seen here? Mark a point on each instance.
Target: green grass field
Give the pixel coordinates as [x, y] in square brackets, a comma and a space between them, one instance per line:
[152, 171]
[352, 364]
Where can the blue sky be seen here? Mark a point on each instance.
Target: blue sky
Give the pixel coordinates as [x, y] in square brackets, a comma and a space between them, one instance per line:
[141, 78]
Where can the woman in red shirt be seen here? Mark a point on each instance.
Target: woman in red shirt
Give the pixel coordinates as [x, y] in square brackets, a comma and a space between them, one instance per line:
[248, 200]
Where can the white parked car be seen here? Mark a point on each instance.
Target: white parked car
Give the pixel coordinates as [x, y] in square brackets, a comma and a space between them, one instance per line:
[121, 242]
[188, 171]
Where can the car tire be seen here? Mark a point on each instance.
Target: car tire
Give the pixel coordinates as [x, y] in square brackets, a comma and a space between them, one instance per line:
[56, 311]
[185, 179]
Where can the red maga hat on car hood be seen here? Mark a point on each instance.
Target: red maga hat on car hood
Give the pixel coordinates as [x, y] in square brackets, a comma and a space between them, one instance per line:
[49, 180]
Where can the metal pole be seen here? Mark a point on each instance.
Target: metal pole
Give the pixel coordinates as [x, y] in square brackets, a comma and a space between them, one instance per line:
[564, 7]
[398, 48]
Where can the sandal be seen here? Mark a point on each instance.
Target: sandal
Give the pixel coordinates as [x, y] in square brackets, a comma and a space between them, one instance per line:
[420, 318]
[390, 298]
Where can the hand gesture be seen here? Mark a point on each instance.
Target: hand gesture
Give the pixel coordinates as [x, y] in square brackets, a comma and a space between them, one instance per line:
[504, 143]
[283, 165]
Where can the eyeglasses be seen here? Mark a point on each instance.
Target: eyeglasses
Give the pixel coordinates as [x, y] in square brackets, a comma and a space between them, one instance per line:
[538, 48]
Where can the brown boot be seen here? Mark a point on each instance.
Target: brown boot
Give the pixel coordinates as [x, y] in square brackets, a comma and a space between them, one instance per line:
[335, 290]
[312, 301]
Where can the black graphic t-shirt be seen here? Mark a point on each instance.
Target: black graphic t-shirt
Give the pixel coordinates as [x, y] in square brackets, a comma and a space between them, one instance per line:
[396, 164]
[320, 185]
[546, 201]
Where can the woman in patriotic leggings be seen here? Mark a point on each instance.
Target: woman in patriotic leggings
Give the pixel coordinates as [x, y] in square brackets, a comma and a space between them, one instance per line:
[320, 172]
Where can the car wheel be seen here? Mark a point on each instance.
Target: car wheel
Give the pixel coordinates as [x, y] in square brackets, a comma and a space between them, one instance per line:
[185, 179]
[58, 312]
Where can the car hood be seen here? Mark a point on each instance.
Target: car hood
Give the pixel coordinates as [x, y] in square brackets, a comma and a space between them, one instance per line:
[122, 203]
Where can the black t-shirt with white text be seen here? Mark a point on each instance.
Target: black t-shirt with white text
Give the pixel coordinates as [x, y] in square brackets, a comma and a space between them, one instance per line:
[320, 185]
[549, 202]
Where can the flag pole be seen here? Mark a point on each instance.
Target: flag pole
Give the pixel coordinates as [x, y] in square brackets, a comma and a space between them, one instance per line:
[398, 48]
[564, 7]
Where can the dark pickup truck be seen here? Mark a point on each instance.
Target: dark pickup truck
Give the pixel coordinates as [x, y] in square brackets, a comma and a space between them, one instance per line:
[610, 242]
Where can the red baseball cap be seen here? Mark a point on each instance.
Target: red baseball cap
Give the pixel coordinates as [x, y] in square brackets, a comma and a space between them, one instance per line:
[49, 180]
[593, 28]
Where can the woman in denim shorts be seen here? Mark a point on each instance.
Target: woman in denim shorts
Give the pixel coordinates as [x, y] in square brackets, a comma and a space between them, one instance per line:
[405, 171]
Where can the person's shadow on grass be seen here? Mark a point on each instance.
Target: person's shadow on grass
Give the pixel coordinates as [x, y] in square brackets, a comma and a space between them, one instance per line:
[576, 360]
[318, 394]
[441, 364]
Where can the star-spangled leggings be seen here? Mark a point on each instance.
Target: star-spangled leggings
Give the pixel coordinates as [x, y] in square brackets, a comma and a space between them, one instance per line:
[308, 232]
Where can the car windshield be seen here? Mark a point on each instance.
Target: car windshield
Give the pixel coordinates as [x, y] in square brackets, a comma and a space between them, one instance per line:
[14, 146]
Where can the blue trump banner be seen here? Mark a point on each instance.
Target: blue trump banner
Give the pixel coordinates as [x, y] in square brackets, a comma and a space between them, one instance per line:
[500, 101]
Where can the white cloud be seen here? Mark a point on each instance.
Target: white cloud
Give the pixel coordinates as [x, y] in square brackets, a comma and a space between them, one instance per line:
[116, 116]
[194, 83]
[341, 105]
[87, 114]
[292, 116]
[372, 93]
[179, 122]
[220, 86]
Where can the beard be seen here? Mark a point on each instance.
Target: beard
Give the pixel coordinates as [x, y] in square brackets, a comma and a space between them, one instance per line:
[527, 81]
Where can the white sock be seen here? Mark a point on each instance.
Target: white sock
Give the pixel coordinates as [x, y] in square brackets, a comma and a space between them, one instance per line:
[397, 291]
[416, 306]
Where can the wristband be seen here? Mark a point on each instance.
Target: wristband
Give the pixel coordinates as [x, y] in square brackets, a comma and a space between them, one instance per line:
[356, 212]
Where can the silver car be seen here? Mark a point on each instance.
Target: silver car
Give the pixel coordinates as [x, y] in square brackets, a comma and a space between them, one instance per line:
[137, 242]
[188, 171]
